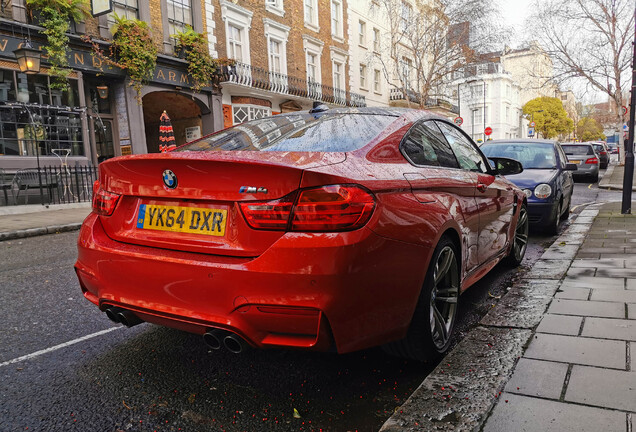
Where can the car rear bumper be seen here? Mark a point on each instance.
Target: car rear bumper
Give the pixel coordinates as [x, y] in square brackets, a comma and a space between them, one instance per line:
[585, 170]
[350, 290]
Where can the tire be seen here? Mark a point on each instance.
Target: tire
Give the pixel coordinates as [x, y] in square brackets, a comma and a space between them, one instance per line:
[566, 213]
[595, 178]
[553, 226]
[429, 335]
[520, 241]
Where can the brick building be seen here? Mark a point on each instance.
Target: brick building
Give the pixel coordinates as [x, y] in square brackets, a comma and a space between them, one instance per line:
[289, 53]
[80, 126]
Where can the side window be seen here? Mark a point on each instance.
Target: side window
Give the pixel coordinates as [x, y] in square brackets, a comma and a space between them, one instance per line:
[425, 145]
[467, 155]
[562, 157]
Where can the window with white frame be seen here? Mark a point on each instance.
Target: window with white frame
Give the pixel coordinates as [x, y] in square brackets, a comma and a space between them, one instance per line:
[376, 40]
[243, 113]
[362, 33]
[235, 42]
[313, 50]
[277, 35]
[336, 19]
[312, 67]
[406, 65]
[507, 113]
[237, 24]
[482, 69]
[275, 6]
[363, 76]
[311, 14]
[338, 79]
[123, 8]
[377, 81]
[405, 16]
[338, 62]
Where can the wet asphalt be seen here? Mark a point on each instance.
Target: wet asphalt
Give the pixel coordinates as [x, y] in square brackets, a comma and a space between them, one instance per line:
[150, 378]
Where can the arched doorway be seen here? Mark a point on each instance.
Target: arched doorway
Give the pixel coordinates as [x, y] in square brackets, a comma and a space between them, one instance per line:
[185, 114]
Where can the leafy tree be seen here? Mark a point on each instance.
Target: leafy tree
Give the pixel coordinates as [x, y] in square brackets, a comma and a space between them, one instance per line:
[549, 116]
[589, 40]
[589, 129]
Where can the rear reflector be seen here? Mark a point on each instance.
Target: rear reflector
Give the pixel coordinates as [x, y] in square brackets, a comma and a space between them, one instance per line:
[592, 161]
[323, 209]
[104, 202]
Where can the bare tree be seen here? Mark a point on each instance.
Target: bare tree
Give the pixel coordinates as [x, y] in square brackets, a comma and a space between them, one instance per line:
[589, 40]
[430, 39]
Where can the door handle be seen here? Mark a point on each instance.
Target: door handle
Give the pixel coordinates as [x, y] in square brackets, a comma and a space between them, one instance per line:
[481, 187]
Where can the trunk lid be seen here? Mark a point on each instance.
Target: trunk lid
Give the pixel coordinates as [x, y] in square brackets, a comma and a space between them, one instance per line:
[201, 213]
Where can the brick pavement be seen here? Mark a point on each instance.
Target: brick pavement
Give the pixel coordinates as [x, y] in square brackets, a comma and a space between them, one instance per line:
[578, 372]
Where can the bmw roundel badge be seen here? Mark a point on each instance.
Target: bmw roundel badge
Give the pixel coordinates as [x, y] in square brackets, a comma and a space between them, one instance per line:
[169, 179]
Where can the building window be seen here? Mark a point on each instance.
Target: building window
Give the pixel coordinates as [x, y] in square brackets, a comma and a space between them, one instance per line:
[275, 56]
[312, 69]
[363, 76]
[405, 16]
[44, 123]
[337, 75]
[243, 113]
[235, 43]
[275, 6]
[362, 33]
[179, 15]
[482, 69]
[123, 8]
[406, 66]
[376, 40]
[377, 83]
[237, 22]
[311, 14]
[336, 18]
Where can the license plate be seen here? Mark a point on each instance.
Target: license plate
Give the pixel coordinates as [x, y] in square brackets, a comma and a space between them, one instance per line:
[575, 161]
[194, 220]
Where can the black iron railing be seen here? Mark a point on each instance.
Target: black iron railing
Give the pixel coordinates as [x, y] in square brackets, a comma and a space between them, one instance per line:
[50, 185]
[264, 79]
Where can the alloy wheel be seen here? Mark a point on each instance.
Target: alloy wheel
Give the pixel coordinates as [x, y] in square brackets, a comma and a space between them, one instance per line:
[521, 235]
[444, 296]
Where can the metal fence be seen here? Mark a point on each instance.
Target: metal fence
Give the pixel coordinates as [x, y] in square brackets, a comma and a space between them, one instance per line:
[49, 185]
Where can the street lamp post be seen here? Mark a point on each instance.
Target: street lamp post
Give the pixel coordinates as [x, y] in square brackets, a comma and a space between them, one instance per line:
[628, 177]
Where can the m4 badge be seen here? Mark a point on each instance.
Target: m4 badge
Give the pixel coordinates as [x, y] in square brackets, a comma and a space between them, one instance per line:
[252, 189]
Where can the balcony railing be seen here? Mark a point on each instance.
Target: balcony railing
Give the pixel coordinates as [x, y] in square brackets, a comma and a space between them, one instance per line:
[264, 79]
[398, 94]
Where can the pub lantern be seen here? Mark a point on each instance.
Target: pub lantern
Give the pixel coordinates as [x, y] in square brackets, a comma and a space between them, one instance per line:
[28, 58]
[102, 90]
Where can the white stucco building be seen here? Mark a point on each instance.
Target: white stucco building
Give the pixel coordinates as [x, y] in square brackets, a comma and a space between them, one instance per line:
[499, 108]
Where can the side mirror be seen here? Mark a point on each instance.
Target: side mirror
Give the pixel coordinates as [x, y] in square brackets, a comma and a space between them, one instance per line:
[571, 167]
[506, 166]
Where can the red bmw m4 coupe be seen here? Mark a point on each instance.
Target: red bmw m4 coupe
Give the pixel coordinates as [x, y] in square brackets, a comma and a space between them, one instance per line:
[333, 229]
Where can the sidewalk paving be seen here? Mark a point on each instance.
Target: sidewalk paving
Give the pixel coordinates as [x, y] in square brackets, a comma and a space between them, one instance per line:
[613, 178]
[32, 220]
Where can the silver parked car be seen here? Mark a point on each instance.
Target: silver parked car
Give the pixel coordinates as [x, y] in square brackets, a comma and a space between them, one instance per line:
[585, 158]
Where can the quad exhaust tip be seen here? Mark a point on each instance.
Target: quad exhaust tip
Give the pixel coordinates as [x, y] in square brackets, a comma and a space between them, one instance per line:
[123, 316]
[217, 338]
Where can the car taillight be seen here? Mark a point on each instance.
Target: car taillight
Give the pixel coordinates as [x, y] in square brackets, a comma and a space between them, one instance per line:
[272, 215]
[327, 208]
[332, 208]
[603, 153]
[591, 161]
[104, 202]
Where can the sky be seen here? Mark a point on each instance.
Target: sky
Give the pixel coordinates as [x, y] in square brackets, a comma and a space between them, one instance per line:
[514, 13]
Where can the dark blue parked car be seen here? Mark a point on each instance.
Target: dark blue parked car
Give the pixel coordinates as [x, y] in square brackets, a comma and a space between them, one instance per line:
[546, 178]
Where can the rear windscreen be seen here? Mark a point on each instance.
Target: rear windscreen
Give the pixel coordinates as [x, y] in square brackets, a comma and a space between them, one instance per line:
[577, 149]
[342, 132]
